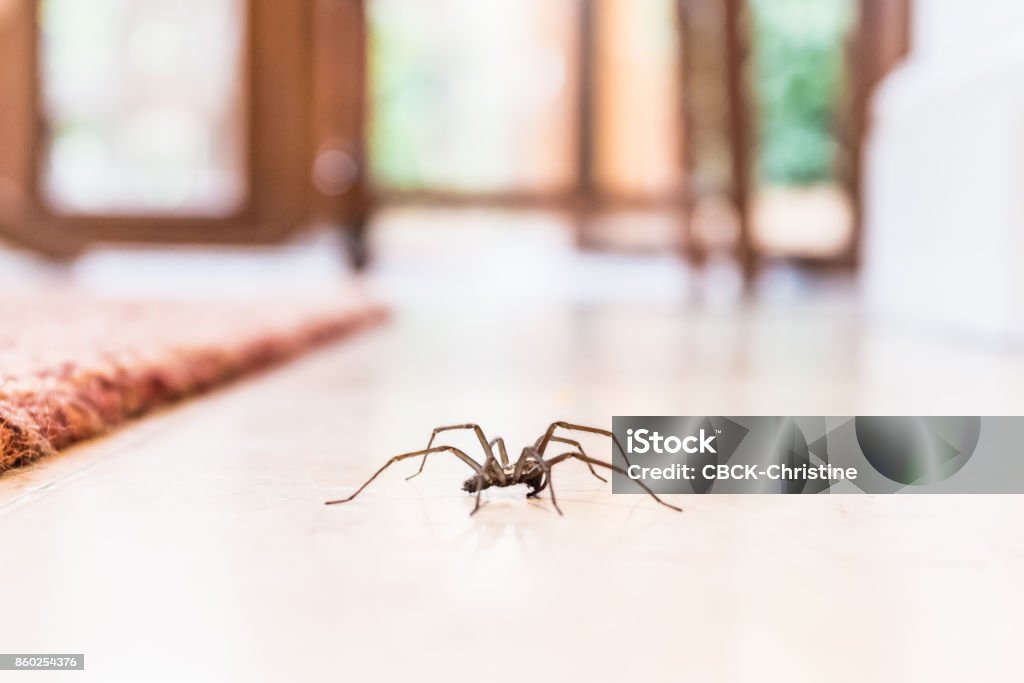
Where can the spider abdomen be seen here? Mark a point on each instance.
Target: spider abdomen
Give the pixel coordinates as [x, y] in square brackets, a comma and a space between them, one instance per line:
[472, 484]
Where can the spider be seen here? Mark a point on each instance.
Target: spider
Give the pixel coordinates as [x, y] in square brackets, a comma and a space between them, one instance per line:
[531, 468]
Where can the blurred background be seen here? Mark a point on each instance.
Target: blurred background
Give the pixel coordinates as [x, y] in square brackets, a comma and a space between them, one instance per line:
[644, 150]
[577, 209]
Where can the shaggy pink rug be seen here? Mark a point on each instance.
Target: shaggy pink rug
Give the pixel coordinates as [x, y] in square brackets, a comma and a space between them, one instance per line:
[72, 368]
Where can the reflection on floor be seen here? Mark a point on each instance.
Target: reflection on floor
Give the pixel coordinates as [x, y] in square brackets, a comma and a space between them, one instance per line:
[442, 258]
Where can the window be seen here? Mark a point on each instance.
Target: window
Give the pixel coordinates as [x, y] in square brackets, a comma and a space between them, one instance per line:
[178, 120]
[144, 106]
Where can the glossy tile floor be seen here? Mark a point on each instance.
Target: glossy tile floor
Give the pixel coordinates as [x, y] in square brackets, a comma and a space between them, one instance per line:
[194, 545]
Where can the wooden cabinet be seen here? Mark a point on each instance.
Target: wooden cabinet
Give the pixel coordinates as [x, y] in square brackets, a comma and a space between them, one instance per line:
[300, 79]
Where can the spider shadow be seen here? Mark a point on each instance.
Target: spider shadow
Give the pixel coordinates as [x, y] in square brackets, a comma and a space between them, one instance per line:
[505, 517]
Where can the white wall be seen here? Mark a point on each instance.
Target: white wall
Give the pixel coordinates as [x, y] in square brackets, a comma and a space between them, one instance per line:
[945, 175]
[951, 29]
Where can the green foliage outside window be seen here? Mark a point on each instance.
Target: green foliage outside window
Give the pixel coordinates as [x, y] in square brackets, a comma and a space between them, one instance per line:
[798, 76]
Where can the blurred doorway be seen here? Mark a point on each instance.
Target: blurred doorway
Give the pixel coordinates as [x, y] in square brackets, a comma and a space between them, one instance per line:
[777, 96]
[567, 104]
[800, 73]
[712, 126]
[728, 126]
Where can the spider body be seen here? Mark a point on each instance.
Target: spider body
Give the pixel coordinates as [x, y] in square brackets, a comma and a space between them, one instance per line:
[532, 468]
[532, 475]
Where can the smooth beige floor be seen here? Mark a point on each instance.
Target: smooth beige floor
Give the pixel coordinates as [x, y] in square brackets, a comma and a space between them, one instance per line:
[193, 545]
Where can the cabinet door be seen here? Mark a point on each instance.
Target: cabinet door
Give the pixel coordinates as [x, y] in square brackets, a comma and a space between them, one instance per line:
[174, 120]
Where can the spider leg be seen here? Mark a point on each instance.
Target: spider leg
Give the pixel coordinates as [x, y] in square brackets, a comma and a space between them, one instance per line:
[545, 479]
[479, 489]
[549, 434]
[437, 430]
[594, 461]
[547, 471]
[579, 448]
[549, 484]
[426, 452]
[502, 453]
[527, 454]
